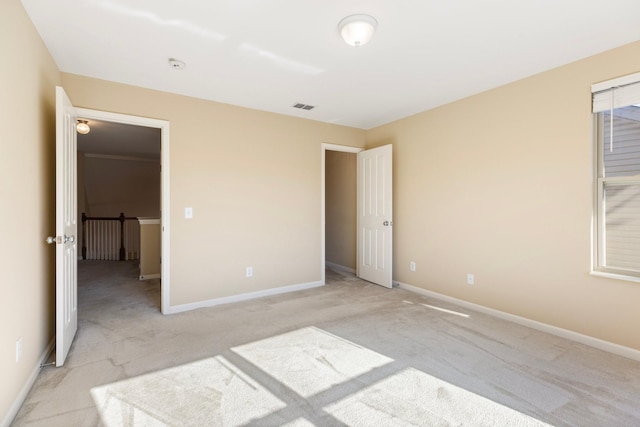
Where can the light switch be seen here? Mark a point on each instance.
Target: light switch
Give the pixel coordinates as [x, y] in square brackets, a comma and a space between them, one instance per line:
[188, 213]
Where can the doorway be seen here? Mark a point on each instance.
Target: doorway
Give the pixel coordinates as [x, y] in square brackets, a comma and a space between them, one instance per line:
[161, 128]
[339, 184]
[374, 207]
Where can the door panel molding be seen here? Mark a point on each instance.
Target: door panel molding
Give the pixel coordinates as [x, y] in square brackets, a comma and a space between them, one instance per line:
[375, 215]
[65, 239]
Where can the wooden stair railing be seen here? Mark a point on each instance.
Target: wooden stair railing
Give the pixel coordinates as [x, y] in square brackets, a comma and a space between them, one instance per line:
[122, 218]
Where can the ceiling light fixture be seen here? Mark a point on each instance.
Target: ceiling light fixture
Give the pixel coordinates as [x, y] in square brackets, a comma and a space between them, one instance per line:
[357, 30]
[83, 127]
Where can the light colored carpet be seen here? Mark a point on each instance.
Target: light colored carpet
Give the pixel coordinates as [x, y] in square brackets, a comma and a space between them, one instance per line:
[207, 392]
[349, 353]
[306, 362]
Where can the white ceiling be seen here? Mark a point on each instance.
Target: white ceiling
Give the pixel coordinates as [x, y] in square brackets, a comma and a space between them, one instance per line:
[269, 55]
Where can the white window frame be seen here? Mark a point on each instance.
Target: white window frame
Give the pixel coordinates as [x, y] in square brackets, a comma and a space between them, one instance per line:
[616, 93]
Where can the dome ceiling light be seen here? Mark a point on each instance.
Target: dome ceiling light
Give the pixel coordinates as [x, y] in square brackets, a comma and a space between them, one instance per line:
[82, 127]
[357, 30]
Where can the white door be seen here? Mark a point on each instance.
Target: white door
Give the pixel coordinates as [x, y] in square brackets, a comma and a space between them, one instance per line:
[66, 227]
[375, 219]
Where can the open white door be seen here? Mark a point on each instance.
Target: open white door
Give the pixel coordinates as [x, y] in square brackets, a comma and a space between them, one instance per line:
[66, 226]
[375, 220]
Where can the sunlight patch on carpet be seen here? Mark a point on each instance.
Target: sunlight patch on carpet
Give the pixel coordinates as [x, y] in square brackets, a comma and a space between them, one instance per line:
[411, 397]
[310, 360]
[207, 392]
[318, 377]
[299, 422]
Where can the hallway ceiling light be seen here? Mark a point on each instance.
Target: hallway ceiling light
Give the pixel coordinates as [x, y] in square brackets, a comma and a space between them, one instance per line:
[357, 30]
[83, 127]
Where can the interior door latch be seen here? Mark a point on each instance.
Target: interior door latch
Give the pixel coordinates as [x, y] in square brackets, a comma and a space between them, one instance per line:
[60, 240]
[54, 239]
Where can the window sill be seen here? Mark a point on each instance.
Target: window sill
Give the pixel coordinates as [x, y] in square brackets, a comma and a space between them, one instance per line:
[615, 276]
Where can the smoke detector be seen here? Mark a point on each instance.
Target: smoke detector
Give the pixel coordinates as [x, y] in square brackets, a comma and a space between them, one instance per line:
[176, 64]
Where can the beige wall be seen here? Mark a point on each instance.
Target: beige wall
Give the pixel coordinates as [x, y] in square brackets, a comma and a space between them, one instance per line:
[150, 247]
[27, 161]
[252, 179]
[111, 186]
[500, 185]
[340, 208]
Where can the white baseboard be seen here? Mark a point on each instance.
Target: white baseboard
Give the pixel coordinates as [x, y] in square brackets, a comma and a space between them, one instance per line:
[242, 297]
[149, 276]
[17, 403]
[610, 347]
[338, 267]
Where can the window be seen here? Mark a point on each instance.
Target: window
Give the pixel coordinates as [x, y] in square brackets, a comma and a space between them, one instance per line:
[616, 107]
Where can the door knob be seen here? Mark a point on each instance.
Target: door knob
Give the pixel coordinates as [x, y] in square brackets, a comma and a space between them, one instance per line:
[60, 240]
[386, 223]
[53, 239]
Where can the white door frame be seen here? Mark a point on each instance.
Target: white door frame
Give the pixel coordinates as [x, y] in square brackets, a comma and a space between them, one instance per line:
[163, 125]
[328, 147]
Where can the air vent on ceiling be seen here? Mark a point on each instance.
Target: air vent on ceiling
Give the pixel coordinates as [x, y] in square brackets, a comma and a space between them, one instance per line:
[303, 106]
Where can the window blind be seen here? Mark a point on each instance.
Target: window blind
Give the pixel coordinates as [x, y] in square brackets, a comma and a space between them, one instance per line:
[617, 103]
[624, 160]
[616, 93]
[622, 222]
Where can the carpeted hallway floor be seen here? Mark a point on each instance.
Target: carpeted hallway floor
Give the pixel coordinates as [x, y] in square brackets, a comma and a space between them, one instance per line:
[349, 353]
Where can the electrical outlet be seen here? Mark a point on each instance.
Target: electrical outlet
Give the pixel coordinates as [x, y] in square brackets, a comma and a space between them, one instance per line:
[470, 279]
[249, 272]
[188, 213]
[412, 266]
[18, 349]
